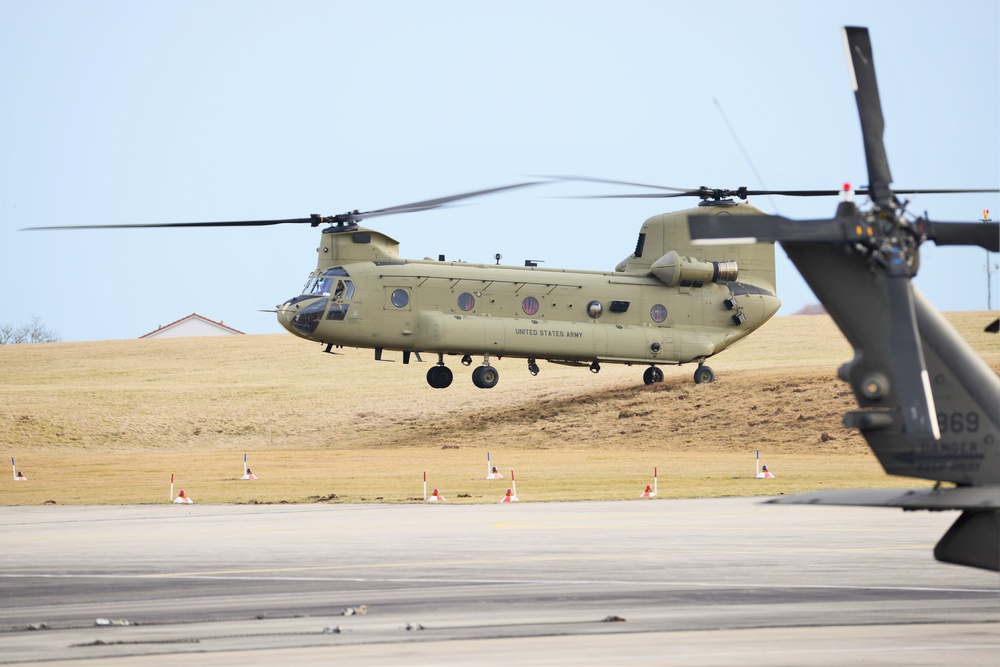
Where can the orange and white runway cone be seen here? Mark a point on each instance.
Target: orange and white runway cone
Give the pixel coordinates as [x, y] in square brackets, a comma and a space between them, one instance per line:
[509, 497]
[249, 475]
[436, 497]
[764, 473]
[182, 498]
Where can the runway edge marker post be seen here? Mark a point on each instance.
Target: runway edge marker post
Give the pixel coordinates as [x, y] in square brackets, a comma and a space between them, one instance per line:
[650, 491]
[491, 470]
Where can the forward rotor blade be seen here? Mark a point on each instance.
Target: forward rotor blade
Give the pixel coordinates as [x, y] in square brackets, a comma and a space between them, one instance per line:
[435, 203]
[983, 234]
[233, 223]
[906, 357]
[313, 220]
[859, 53]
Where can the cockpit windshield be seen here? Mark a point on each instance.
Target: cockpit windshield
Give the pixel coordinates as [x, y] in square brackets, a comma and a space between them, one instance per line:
[324, 283]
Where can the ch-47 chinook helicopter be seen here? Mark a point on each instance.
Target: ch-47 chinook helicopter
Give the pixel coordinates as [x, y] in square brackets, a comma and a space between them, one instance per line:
[670, 302]
[929, 406]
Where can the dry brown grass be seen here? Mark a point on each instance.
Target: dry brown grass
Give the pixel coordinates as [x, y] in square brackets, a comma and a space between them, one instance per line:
[107, 422]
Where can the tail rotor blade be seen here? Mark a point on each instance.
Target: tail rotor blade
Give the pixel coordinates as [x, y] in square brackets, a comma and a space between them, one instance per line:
[906, 357]
[724, 229]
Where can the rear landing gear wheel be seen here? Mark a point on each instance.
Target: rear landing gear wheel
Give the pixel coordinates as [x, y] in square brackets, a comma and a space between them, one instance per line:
[485, 377]
[532, 367]
[652, 375]
[439, 377]
[704, 375]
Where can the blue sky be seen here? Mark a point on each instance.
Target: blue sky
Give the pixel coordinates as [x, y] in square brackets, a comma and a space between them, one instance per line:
[118, 112]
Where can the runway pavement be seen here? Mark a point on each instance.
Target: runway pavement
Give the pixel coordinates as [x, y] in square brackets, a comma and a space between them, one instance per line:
[646, 582]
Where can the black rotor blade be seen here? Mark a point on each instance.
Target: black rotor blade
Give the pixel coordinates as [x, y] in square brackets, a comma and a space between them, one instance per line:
[313, 220]
[639, 195]
[434, 203]
[986, 235]
[933, 191]
[742, 193]
[906, 357]
[233, 223]
[859, 52]
[588, 179]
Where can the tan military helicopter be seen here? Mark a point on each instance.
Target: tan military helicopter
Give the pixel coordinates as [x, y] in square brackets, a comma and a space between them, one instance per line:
[670, 302]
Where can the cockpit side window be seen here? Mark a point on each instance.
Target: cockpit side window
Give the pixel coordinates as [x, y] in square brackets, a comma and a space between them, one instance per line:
[344, 290]
[322, 284]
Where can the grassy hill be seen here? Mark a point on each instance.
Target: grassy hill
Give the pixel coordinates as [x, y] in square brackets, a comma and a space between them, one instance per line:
[107, 422]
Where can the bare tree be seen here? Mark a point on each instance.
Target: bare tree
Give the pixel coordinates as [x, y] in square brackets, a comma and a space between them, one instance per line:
[33, 332]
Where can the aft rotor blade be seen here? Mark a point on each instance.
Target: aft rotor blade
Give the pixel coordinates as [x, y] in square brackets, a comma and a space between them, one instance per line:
[743, 193]
[608, 181]
[906, 356]
[640, 195]
[983, 234]
[859, 53]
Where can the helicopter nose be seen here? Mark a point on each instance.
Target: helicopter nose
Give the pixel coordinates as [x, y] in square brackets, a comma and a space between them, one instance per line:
[302, 314]
[771, 306]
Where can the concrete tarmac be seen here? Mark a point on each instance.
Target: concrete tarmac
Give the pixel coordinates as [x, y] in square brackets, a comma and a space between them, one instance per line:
[647, 582]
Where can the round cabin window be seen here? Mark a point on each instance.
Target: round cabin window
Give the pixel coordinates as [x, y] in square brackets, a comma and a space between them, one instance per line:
[529, 305]
[400, 298]
[658, 313]
[595, 309]
[466, 301]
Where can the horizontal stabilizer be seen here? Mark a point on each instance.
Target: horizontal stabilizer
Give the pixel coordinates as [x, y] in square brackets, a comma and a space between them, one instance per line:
[973, 541]
[958, 498]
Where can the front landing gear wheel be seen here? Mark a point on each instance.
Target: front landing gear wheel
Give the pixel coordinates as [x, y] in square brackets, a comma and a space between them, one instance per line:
[652, 375]
[439, 377]
[704, 375]
[485, 377]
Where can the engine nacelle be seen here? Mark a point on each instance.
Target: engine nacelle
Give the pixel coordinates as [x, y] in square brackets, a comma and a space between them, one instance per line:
[674, 270]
